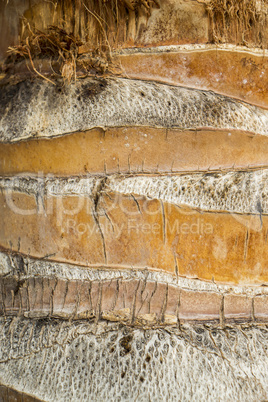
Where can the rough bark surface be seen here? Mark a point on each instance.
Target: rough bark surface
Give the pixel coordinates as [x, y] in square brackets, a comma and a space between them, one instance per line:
[134, 201]
[31, 110]
[136, 364]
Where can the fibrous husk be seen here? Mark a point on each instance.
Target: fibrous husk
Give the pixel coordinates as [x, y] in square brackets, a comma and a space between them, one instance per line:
[241, 21]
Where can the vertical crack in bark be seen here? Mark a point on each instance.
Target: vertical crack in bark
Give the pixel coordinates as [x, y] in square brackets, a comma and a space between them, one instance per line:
[253, 308]
[28, 307]
[65, 294]
[246, 246]
[136, 202]
[35, 293]
[12, 263]
[143, 300]
[12, 298]
[152, 295]
[42, 294]
[90, 297]
[96, 193]
[98, 306]
[3, 299]
[164, 220]
[118, 166]
[20, 298]
[164, 306]
[176, 265]
[133, 307]
[124, 292]
[116, 294]
[108, 218]
[222, 319]
[178, 309]
[51, 301]
[77, 298]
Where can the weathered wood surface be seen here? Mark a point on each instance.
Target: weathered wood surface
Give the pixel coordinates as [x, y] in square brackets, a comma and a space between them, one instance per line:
[134, 226]
[201, 225]
[136, 150]
[135, 301]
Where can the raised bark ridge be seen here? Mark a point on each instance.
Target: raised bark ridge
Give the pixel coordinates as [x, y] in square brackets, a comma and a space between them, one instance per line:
[131, 360]
[133, 188]
[40, 109]
[35, 289]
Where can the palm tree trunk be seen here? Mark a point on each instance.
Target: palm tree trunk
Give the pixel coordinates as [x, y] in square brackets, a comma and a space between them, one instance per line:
[134, 200]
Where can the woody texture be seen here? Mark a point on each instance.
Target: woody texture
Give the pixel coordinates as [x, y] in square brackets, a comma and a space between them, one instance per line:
[133, 200]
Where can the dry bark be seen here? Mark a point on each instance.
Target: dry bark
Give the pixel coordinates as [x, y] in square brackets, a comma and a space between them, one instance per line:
[134, 201]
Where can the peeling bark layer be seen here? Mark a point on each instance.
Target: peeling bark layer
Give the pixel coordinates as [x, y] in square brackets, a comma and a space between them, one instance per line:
[134, 206]
[236, 192]
[35, 289]
[237, 72]
[40, 109]
[93, 221]
[104, 240]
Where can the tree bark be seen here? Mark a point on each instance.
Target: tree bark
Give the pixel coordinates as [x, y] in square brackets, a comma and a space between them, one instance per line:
[134, 200]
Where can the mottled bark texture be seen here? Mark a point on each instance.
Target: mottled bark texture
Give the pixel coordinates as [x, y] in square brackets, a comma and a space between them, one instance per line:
[134, 200]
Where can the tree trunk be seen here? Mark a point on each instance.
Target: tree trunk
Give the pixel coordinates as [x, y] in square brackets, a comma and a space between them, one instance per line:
[134, 200]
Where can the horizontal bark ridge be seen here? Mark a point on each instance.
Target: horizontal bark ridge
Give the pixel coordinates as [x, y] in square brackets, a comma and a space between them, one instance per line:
[39, 109]
[234, 192]
[42, 289]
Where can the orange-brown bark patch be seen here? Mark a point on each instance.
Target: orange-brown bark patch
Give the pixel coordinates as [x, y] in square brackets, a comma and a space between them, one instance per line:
[135, 149]
[235, 74]
[128, 231]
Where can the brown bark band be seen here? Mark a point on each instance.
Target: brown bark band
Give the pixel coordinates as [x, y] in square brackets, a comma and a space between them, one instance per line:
[135, 150]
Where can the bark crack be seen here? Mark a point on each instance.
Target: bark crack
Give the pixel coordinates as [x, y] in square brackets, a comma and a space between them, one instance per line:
[97, 193]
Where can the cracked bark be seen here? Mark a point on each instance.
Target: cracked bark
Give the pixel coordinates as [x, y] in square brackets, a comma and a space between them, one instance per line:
[93, 304]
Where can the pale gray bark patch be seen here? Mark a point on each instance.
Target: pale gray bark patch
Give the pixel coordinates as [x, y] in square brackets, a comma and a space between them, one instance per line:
[52, 186]
[234, 192]
[192, 47]
[73, 361]
[25, 267]
[39, 109]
